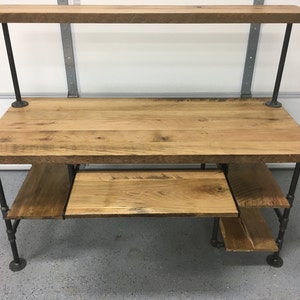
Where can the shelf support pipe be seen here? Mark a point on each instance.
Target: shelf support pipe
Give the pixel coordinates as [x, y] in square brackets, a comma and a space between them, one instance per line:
[19, 102]
[274, 103]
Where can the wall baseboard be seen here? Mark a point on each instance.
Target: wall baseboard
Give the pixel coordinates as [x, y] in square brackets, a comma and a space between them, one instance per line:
[14, 167]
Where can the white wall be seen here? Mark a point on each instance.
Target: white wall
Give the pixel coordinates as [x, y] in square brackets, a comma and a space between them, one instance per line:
[148, 59]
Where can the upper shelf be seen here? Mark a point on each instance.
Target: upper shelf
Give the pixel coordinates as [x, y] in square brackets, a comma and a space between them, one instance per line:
[149, 14]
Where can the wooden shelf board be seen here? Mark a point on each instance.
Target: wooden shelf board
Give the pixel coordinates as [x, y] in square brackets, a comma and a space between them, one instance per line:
[234, 235]
[150, 193]
[124, 131]
[247, 233]
[149, 14]
[253, 185]
[43, 194]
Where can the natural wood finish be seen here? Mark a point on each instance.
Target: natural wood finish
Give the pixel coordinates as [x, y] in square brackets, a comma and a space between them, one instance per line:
[147, 131]
[43, 194]
[257, 229]
[234, 235]
[250, 232]
[253, 185]
[149, 14]
[155, 193]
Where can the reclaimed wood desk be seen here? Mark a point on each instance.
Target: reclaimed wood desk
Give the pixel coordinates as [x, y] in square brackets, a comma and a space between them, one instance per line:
[239, 136]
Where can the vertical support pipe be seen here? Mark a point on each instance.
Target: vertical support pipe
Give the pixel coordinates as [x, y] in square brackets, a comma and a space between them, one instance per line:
[274, 103]
[274, 259]
[18, 263]
[19, 102]
[72, 170]
[214, 238]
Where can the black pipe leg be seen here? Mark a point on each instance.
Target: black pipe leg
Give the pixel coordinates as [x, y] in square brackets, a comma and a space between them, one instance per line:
[214, 239]
[18, 263]
[274, 259]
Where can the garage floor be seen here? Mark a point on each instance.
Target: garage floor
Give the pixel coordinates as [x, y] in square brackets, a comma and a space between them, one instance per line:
[142, 258]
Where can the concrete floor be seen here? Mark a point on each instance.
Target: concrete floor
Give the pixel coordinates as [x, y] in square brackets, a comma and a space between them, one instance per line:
[142, 258]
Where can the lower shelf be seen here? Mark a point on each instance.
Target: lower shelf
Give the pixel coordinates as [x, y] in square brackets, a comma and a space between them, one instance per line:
[46, 189]
[43, 194]
[155, 193]
[48, 193]
[249, 232]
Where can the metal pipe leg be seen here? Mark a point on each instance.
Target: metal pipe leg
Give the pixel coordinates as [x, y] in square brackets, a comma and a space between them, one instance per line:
[274, 259]
[18, 263]
[214, 238]
[278, 214]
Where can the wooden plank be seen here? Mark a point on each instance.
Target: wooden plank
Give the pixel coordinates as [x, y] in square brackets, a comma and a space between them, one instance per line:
[148, 131]
[248, 233]
[257, 229]
[149, 14]
[254, 186]
[43, 194]
[234, 235]
[154, 193]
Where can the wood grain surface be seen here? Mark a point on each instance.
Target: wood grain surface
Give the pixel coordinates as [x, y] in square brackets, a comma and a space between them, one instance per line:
[253, 185]
[234, 235]
[250, 232]
[156, 193]
[148, 131]
[43, 194]
[257, 229]
[149, 14]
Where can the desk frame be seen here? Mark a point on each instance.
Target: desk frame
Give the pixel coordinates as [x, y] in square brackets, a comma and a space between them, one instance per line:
[167, 15]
